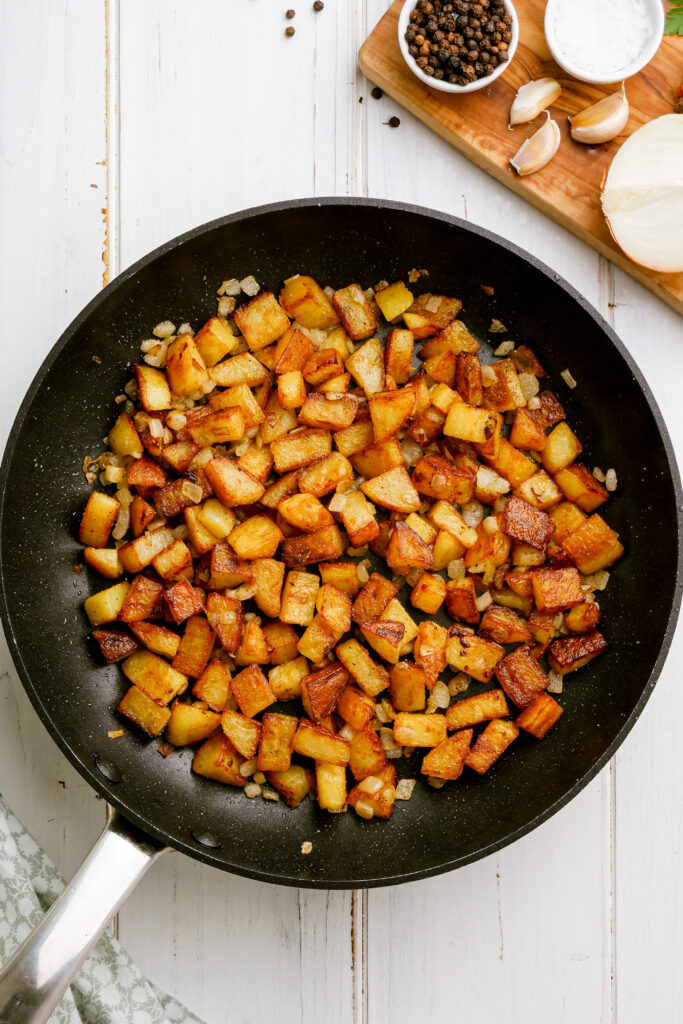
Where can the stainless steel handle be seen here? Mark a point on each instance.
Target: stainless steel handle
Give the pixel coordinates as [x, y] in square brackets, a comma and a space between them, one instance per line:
[39, 973]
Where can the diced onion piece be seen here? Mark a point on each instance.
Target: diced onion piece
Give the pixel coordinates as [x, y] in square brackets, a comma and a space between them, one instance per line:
[611, 480]
[404, 789]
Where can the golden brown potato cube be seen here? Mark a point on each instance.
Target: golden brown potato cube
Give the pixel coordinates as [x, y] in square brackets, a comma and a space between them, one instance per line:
[214, 340]
[461, 600]
[305, 512]
[580, 486]
[540, 490]
[226, 570]
[583, 618]
[275, 748]
[195, 648]
[292, 351]
[106, 605]
[366, 366]
[398, 355]
[521, 676]
[436, 477]
[226, 619]
[415, 730]
[252, 691]
[526, 524]
[468, 381]
[379, 458]
[407, 550]
[123, 438]
[294, 784]
[322, 366]
[99, 516]
[338, 386]
[256, 537]
[105, 560]
[313, 547]
[157, 639]
[395, 612]
[286, 679]
[253, 649]
[190, 723]
[291, 389]
[550, 411]
[357, 516]
[257, 461]
[446, 517]
[540, 716]
[367, 754]
[144, 712]
[145, 472]
[356, 438]
[442, 398]
[153, 390]
[393, 490]
[268, 578]
[556, 590]
[217, 759]
[593, 546]
[300, 449]
[480, 708]
[317, 641]
[240, 369]
[471, 654]
[446, 549]
[116, 644]
[213, 686]
[321, 689]
[180, 454]
[334, 608]
[311, 740]
[178, 495]
[261, 321]
[325, 475]
[542, 626]
[572, 652]
[510, 463]
[201, 537]
[183, 600]
[282, 640]
[331, 786]
[422, 528]
[442, 368]
[390, 410]
[431, 313]
[328, 413]
[154, 676]
[306, 302]
[430, 649]
[355, 312]
[506, 393]
[428, 594]
[386, 637]
[427, 426]
[562, 446]
[283, 488]
[504, 626]
[470, 423]
[219, 428]
[371, 677]
[394, 300]
[185, 369]
[447, 759]
[526, 432]
[277, 421]
[566, 518]
[379, 546]
[174, 562]
[298, 598]
[490, 744]
[374, 797]
[407, 686]
[355, 707]
[490, 551]
[233, 485]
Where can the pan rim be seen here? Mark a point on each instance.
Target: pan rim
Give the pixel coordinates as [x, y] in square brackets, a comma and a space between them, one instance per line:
[89, 772]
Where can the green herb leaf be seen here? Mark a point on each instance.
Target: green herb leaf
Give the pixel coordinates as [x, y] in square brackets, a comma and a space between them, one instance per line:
[674, 21]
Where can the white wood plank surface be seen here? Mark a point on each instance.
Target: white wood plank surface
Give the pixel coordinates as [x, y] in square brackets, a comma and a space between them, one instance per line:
[211, 109]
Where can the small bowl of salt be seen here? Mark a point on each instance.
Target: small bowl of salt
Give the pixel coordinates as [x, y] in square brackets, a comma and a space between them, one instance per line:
[603, 41]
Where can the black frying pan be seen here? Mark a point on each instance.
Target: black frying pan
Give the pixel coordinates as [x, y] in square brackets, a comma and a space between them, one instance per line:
[69, 407]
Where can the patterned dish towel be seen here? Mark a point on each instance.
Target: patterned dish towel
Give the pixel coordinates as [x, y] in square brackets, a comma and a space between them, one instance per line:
[109, 989]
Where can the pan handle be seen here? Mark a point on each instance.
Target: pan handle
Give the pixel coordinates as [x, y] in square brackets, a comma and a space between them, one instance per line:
[37, 976]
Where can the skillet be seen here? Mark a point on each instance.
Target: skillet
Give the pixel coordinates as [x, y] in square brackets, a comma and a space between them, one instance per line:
[159, 802]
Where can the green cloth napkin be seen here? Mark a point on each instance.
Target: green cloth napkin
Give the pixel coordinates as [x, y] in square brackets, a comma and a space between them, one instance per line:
[109, 988]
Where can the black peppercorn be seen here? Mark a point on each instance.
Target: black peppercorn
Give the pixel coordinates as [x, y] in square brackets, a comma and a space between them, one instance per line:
[414, 50]
[438, 74]
[290, 13]
[290, 30]
[318, 5]
[489, 69]
[377, 93]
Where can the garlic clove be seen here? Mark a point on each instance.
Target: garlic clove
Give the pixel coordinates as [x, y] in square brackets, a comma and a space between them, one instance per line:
[532, 98]
[537, 150]
[602, 121]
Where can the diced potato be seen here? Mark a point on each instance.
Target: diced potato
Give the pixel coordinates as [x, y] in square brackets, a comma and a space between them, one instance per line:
[436, 477]
[490, 744]
[566, 518]
[394, 300]
[386, 637]
[252, 691]
[540, 490]
[468, 380]
[153, 390]
[355, 312]
[371, 677]
[305, 512]
[490, 551]
[442, 368]
[286, 679]
[190, 723]
[398, 355]
[447, 759]
[366, 366]
[470, 423]
[257, 537]
[461, 600]
[298, 598]
[313, 547]
[331, 786]
[226, 569]
[468, 653]
[367, 754]
[275, 748]
[428, 594]
[355, 707]
[292, 351]
[390, 410]
[300, 449]
[356, 438]
[219, 428]
[329, 413]
[99, 516]
[378, 458]
[277, 421]
[407, 686]
[214, 341]
[269, 575]
[556, 590]
[226, 619]
[217, 759]
[583, 618]
[123, 438]
[253, 648]
[572, 652]
[506, 393]
[179, 494]
[540, 716]
[407, 550]
[526, 524]
[293, 785]
[322, 366]
[116, 644]
[526, 432]
[430, 649]
[504, 626]
[393, 490]
[334, 608]
[107, 604]
[185, 368]
[580, 486]
[510, 463]
[317, 640]
[213, 686]
[141, 515]
[174, 562]
[306, 302]
[446, 549]
[422, 528]
[358, 518]
[183, 600]
[480, 708]
[257, 461]
[521, 676]
[431, 313]
[320, 690]
[154, 676]
[291, 389]
[283, 488]
[143, 600]
[180, 454]
[311, 740]
[523, 555]
[446, 517]
[395, 612]
[241, 369]
[374, 797]
[105, 560]
[562, 446]
[282, 641]
[261, 321]
[145, 472]
[233, 485]
[593, 546]
[415, 730]
[144, 712]
[325, 475]
[157, 639]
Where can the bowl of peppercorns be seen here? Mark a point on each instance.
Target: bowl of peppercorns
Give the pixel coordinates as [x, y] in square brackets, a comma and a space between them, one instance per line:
[458, 45]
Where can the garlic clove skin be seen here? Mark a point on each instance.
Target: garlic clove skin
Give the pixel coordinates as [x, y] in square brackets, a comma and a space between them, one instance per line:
[537, 150]
[602, 121]
[532, 98]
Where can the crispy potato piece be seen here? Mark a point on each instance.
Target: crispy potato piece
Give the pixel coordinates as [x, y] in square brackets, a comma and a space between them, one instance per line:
[99, 516]
[379, 458]
[366, 366]
[233, 485]
[291, 390]
[321, 690]
[226, 569]
[154, 676]
[277, 737]
[407, 550]
[447, 759]
[398, 355]
[550, 411]
[373, 598]
[357, 516]
[386, 637]
[334, 608]
[431, 313]
[213, 686]
[304, 301]
[470, 423]
[428, 594]
[468, 381]
[556, 590]
[143, 600]
[252, 691]
[393, 490]
[446, 548]
[510, 463]
[506, 393]
[174, 562]
[240, 369]
[183, 600]
[522, 522]
[446, 517]
[367, 754]
[325, 475]
[141, 515]
[583, 618]
[572, 652]
[185, 369]
[300, 449]
[490, 744]
[490, 551]
[105, 560]
[311, 740]
[355, 312]
[593, 546]
[153, 390]
[567, 518]
[430, 649]
[371, 677]
[217, 759]
[355, 439]
[390, 410]
[157, 639]
[219, 428]
[116, 644]
[262, 320]
[143, 711]
[277, 421]
[540, 716]
[480, 708]
[313, 547]
[395, 612]
[540, 490]
[504, 626]
[226, 619]
[580, 486]
[355, 707]
[436, 477]
[123, 438]
[190, 723]
[394, 300]
[322, 366]
[471, 654]
[442, 368]
[461, 600]
[374, 797]
[330, 413]
[286, 679]
[415, 730]
[256, 537]
[269, 575]
[292, 351]
[407, 686]
[521, 676]
[253, 648]
[214, 340]
[293, 785]
[298, 598]
[562, 447]
[526, 432]
[305, 512]
[282, 640]
[106, 605]
[331, 786]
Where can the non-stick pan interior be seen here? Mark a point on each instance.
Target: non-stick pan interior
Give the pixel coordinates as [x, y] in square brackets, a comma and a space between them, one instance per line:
[69, 410]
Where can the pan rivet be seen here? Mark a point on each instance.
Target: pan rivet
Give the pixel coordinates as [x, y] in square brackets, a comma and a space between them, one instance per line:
[106, 768]
[206, 839]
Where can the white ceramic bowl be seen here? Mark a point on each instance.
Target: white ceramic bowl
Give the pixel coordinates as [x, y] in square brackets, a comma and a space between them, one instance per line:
[651, 44]
[441, 86]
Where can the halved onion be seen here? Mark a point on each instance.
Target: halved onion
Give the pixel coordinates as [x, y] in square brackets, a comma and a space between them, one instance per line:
[642, 195]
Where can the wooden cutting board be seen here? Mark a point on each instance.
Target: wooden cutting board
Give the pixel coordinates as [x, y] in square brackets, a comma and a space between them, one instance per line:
[568, 188]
